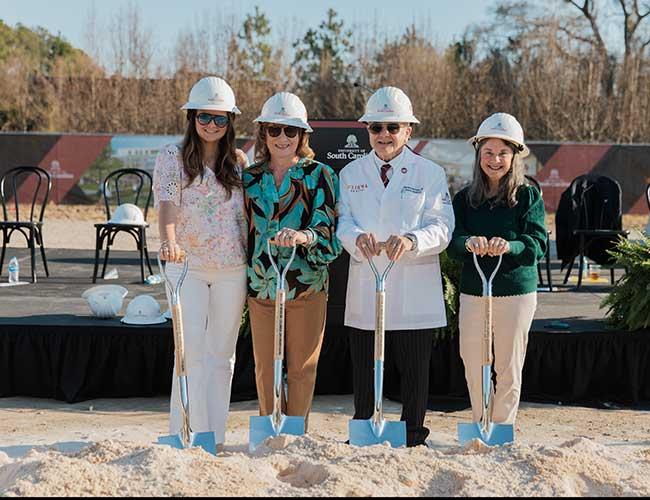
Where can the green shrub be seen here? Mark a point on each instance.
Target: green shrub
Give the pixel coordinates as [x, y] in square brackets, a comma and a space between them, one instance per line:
[628, 304]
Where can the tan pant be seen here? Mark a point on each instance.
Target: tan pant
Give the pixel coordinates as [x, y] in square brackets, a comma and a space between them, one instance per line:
[304, 329]
[511, 320]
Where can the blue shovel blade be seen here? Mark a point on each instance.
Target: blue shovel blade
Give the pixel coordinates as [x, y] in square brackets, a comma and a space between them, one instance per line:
[203, 439]
[496, 435]
[262, 428]
[365, 433]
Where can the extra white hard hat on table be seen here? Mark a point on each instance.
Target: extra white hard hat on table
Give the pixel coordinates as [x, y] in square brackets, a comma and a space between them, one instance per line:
[389, 104]
[128, 213]
[143, 310]
[284, 108]
[212, 94]
[501, 126]
[105, 301]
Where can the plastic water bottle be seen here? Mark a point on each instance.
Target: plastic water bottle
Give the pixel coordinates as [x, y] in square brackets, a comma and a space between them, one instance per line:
[14, 270]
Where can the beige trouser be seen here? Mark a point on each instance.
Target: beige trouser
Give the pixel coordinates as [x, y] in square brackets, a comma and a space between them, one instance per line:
[511, 320]
[304, 329]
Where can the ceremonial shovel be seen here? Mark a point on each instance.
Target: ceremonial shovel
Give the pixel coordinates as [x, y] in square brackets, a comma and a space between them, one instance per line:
[490, 433]
[275, 424]
[376, 430]
[186, 438]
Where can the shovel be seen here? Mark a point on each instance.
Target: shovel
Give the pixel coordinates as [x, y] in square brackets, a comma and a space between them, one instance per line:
[262, 427]
[488, 432]
[186, 438]
[376, 430]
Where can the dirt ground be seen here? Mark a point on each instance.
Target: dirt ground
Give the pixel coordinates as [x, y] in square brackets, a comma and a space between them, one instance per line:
[58, 231]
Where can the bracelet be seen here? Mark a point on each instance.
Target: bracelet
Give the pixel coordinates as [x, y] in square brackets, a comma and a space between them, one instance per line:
[311, 237]
[467, 243]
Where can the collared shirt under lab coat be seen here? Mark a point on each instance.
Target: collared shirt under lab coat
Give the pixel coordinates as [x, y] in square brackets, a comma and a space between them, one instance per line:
[416, 201]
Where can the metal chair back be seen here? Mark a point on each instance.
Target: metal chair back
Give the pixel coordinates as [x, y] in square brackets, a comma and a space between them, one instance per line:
[119, 181]
[10, 184]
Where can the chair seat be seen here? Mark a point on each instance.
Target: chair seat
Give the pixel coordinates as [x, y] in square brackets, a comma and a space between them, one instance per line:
[20, 223]
[601, 232]
[115, 225]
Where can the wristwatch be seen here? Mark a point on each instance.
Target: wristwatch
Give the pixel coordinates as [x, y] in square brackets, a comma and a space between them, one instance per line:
[413, 240]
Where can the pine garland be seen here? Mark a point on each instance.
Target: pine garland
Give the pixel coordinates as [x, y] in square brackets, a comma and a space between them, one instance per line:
[628, 305]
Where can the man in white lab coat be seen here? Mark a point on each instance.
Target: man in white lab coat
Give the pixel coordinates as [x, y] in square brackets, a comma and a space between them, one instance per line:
[396, 197]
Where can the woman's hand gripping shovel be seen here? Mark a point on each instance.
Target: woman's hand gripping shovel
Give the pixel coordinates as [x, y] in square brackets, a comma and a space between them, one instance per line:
[490, 433]
[273, 425]
[186, 438]
[376, 430]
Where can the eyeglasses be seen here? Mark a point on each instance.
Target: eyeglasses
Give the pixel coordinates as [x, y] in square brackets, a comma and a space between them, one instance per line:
[289, 131]
[219, 120]
[376, 128]
[502, 155]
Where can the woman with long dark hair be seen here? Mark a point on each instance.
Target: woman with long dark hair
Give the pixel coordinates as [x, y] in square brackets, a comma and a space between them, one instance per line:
[198, 191]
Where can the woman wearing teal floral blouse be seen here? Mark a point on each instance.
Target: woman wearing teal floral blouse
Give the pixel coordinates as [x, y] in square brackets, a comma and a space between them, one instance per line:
[292, 198]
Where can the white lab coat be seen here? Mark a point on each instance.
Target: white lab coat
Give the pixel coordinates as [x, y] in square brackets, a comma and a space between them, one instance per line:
[416, 200]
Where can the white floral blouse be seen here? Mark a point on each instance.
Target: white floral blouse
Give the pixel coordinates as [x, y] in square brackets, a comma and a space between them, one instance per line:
[210, 227]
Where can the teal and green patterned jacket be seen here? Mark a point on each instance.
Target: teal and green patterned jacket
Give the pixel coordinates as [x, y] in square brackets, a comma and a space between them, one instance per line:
[305, 200]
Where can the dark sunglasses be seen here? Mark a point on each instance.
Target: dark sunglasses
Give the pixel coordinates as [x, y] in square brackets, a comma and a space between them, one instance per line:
[289, 131]
[219, 120]
[376, 128]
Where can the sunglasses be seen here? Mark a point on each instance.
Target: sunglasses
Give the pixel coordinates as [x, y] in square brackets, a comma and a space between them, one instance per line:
[219, 120]
[289, 131]
[376, 128]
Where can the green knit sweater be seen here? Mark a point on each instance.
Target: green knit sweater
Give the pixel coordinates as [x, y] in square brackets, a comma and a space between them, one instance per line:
[522, 226]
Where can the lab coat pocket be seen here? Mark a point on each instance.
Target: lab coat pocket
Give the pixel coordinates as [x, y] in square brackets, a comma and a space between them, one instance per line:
[422, 292]
[360, 293]
[411, 205]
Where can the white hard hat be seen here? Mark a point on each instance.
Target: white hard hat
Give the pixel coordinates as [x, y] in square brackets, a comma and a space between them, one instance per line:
[128, 213]
[143, 310]
[501, 126]
[389, 104]
[105, 301]
[213, 94]
[284, 108]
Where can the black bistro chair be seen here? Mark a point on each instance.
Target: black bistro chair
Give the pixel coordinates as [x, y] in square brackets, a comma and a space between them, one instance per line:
[126, 185]
[38, 183]
[547, 256]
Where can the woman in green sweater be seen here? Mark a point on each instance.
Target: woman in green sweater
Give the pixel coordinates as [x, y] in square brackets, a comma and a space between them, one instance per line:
[498, 214]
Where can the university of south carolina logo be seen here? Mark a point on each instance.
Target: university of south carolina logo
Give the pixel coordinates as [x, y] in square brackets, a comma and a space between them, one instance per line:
[216, 98]
[352, 141]
[282, 112]
[499, 127]
[385, 109]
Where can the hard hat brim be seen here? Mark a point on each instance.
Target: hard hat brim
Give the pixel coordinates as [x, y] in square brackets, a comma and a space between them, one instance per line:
[120, 290]
[291, 122]
[210, 107]
[143, 321]
[386, 118]
[478, 138]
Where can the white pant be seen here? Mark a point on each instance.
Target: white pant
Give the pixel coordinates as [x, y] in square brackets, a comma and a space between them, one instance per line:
[511, 320]
[212, 302]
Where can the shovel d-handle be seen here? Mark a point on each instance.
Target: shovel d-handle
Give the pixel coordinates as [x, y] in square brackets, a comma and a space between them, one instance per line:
[380, 335]
[278, 331]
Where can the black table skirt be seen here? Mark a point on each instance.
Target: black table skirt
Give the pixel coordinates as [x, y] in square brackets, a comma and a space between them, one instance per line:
[113, 361]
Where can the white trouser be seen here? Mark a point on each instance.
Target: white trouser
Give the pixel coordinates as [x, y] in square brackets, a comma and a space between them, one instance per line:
[212, 302]
[511, 320]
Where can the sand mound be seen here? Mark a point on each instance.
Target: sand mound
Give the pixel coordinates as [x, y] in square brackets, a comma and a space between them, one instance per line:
[314, 466]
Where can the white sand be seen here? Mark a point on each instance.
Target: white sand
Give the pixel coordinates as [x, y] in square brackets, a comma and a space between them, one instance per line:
[560, 450]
